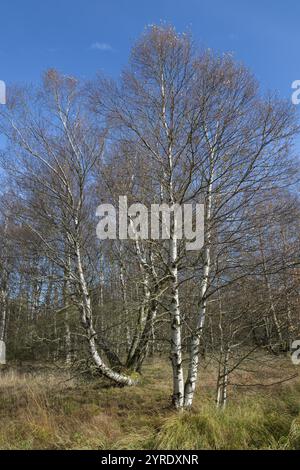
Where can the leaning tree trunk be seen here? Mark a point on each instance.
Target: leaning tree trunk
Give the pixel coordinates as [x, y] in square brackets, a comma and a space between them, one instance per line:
[87, 321]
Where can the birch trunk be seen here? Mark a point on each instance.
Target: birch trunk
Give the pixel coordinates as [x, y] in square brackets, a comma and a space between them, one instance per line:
[223, 381]
[66, 292]
[68, 339]
[148, 313]
[190, 384]
[87, 321]
[269, 292]
[290, 326]
[176, 343]
[141, 351]
[3, 303]
[143, 313]
[125, 305]
[4, 287]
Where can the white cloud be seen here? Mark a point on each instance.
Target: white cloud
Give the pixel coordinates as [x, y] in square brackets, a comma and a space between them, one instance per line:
[101, 46]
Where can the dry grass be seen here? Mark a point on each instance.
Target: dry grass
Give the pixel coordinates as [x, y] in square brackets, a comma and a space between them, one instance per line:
[45, 409]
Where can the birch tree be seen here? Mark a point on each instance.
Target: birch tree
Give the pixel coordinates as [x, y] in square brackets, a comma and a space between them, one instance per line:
[208, 136]
[56, 146]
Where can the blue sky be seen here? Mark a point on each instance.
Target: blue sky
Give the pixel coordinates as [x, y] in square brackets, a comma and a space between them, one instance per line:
[35, 34]
[81, 37]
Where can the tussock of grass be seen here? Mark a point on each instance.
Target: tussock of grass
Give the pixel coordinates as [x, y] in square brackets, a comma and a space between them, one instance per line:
[242, 427]
[47, 410]
[293, 439]
[256, 422]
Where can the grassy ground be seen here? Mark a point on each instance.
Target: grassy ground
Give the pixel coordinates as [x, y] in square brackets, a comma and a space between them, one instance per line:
[43, 408]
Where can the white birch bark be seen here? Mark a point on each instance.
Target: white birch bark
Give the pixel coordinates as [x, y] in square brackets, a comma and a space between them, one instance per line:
[191, 380]
[125, 305]
[4, 295]
[176, 342]
[3, 303]
[66, 293]
[87, 321]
